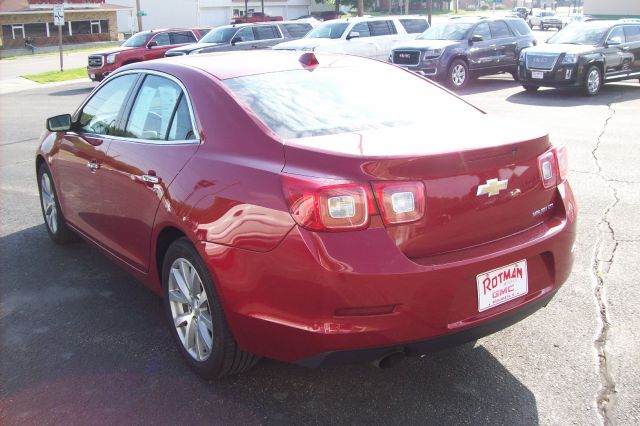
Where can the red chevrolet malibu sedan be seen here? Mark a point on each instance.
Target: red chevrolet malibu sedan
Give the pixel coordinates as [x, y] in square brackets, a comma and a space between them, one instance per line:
[311, 209]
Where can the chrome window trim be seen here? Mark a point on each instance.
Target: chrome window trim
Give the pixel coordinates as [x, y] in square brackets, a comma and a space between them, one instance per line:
[196, 130]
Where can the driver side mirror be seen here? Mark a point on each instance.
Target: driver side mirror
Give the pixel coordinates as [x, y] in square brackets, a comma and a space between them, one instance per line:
[59, 123]
[236, 39]
[152, 44]
[476, 38]
[353, 34]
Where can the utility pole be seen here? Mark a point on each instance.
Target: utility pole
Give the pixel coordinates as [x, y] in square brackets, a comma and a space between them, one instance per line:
[360, 7]
[139, 15]
[429, 9]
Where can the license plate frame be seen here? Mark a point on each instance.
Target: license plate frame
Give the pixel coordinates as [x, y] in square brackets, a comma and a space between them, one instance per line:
[502, 285]
[538, 75]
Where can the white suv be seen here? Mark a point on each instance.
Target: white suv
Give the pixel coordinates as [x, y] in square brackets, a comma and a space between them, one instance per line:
[366, 36]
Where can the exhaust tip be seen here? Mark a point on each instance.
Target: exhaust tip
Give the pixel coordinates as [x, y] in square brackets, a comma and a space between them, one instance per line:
[390, 360]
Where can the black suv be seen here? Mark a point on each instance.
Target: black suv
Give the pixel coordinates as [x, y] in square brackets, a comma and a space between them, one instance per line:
[458, 49]
[584, 55]
[244, 37]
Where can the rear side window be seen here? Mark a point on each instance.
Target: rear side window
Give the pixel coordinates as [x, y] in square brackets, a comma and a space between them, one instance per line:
[182, 37]
[520, 27]
[632, 33]
[362, 28]
[154, 109]
[266, 32]
[297, 30]
[181, 129]
[380, 28]
[499, 29]
[414, 26]
[100, 114]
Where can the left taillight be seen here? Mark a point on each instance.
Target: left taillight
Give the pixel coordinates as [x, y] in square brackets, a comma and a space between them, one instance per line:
[553, 166]
[325, 205]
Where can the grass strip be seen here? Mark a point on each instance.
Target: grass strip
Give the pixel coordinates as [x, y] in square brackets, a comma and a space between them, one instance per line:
[54, 76]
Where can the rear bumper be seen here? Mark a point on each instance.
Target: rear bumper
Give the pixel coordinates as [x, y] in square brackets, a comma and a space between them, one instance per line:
[284, 304]
[429, 345]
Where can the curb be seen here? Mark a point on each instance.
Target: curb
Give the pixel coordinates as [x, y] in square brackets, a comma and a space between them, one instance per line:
[19, 84]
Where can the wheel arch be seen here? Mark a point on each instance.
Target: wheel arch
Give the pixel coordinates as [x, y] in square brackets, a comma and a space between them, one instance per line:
[165, 238]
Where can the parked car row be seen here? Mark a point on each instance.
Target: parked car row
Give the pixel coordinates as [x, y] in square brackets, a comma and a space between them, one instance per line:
[453, 52]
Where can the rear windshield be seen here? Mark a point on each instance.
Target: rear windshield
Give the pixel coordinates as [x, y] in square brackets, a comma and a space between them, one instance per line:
[326, 101]
[332, 30]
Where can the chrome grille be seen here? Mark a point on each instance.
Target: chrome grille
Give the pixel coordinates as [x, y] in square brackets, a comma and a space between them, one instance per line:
[406, 57]
[541, 62]
[95, 61]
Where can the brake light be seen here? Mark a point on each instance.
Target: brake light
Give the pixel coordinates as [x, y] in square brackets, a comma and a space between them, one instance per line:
[563, 162]
[553, 166]
[400, 202]
[324, 205]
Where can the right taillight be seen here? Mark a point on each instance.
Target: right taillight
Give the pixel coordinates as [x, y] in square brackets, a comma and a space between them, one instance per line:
[400, 202]
[563, 162]
[553, 166]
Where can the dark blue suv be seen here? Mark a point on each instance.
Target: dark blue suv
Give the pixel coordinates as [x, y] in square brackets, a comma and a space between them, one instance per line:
[461, 48]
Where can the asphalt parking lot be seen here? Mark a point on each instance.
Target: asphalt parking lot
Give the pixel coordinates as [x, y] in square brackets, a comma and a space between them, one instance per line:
[81, 342]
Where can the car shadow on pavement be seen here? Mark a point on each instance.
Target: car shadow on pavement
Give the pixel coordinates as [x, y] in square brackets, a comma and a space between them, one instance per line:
[83, 342]
[611, 92]
[488, 84]
[73, 92]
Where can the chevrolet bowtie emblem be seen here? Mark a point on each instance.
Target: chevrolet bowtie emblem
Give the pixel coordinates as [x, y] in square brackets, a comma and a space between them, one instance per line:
[492, 187]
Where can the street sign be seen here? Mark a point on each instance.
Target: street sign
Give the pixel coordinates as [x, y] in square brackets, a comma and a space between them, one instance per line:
[58, 15]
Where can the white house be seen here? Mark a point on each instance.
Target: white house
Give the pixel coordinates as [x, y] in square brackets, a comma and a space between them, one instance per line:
[202, 13]
[613, 8]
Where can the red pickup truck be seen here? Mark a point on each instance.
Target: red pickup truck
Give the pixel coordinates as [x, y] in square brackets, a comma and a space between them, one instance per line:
[142, 46]
[255, 17]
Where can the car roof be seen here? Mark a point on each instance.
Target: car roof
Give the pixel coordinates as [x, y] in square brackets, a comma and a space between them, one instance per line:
[225, 65]
[376, 18]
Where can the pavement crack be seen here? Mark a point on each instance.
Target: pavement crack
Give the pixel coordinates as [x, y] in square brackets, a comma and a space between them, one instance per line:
[603, 258]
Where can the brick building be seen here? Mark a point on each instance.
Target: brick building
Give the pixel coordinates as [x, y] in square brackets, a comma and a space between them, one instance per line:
[85, 21]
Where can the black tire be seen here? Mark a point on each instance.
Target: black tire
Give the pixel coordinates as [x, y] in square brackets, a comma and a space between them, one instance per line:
[514, 74]
[543, 28]
[530, 87]
[458, 74]
[592, 81]
[225, 357]
[54, 221]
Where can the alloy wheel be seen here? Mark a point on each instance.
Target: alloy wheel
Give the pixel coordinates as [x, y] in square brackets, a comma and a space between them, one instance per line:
[593, 81]
[458, 75]
[190, 309]
[49, 203]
